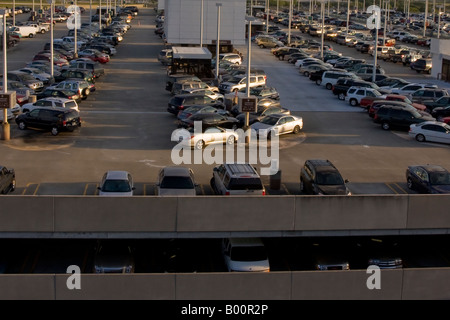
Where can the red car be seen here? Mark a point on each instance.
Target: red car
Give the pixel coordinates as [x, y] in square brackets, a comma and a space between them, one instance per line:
[423, 42]
[94, 55]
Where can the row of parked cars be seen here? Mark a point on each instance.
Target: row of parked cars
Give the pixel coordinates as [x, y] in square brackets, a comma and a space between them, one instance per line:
[56, 98]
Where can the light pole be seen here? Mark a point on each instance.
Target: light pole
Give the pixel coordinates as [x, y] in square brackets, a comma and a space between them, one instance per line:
[322, 9]
[219, 5]
[52, 69]
[267, 16]
[385, 21]
[439, 21]
[426, 18]
[348, 16]
[5, 124]
[201, 25]
[249, 56]
[100, 15]
[290, 21]
[14, 13]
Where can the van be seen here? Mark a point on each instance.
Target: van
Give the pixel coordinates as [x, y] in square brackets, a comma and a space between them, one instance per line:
[329, 78]
[25, 31]
[180, 86]
[245, 255]
[237, 179]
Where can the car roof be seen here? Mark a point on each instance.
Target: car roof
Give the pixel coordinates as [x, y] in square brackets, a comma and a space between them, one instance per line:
[246, 241]
[176, 171]
[115, 174]
[431, 168]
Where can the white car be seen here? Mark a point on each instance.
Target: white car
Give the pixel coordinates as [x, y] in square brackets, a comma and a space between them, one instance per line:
[116, 183]
[232, 57]
[278, 124]
[355, 94]
[51, 102]
[38, 74]
[210, 135]
[245, 255]
[300, 62]
[213, 95]
[411, 87]
[176, 181]
[433, 131]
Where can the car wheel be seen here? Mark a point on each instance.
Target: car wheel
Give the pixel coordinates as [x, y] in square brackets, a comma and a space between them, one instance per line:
[22, 125]
[318, 82]
[420, 138]
[261, 46]
[200, 145]
[385, 126]
[353, 102]
[306, 74]
[296, 129]
[86, 92]
[54, 131]
[42, 31]
[329, 86]
[410, 184]
[341, 96]
[31, 35]
[231, 140]
[302, 186]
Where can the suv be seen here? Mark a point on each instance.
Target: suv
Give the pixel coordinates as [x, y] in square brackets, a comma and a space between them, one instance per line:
[323, 178]
[237, 179]
[26, 79]
[179, 86]
[240, 81]
[54, 120]
[421, 65]
[395, 116]
[51, 102]
[269, 43]
[355, 94]
[329, 78]
[427, 95]
[245, 255]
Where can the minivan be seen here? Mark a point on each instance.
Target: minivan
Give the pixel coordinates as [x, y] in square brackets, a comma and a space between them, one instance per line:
[329, 78]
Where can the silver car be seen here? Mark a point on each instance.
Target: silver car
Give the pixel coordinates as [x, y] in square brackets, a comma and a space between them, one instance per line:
[113, 257]
[176, 181]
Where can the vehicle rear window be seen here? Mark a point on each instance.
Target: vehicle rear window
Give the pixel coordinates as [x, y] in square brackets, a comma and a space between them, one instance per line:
[177, 183]
[245, 184]
[71, 104]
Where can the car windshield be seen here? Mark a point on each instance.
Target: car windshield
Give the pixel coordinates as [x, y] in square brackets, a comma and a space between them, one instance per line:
[116, 186]
[177, 183]
[329, 178]
[253, 253]
[440, 178]
[271, 121]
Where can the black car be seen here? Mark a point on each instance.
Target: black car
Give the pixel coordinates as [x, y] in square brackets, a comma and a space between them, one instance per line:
[322, 177]
[261, 113]
[210, 120]
[439, 107]
[181, 101]
[55, 120]
[59, 93]
[75, 74]
[428, 179]
[422, 65]
[394, 116]
[263, 92]
[7, 180]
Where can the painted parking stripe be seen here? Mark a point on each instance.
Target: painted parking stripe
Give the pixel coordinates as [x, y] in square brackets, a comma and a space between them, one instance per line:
[31, 189]
[90, 189]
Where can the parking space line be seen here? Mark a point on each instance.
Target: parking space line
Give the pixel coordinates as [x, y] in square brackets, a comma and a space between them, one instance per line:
[202, 189]
[88, 186]
[285, 188]
[145, 188]
[29, 188]
[400, 188]
[388, 185]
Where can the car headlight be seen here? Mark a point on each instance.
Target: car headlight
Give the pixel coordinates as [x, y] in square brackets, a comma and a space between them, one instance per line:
[128, 269]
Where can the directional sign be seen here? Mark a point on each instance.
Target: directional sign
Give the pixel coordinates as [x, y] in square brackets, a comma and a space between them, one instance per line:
[248, 104]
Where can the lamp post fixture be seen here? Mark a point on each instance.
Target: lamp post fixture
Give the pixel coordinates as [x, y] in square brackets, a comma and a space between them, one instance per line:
[219, 5]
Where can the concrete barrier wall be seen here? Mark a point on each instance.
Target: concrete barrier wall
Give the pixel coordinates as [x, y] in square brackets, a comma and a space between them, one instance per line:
[80, 214]
[403, 284]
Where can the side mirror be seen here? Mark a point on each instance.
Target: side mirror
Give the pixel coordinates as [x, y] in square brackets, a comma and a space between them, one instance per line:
[215, 169]
[346, 181]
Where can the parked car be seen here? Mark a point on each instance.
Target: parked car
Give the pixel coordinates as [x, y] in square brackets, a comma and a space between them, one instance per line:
[7, 180]
[165, 56]
[86, 64]
[277, 124]
[240, 81]
[82, 87]
[262, 92]
[261, 113]
[59, 93]
[208, 135]
[112, 256]
[94, 55]
[321, 177]
[50, 102]
[433, 131]
[40, 75]
[245, 255]
[176, 181]
[116, 183]
[394, 116]
[428, 95]
[428, 178]
[182, 101]
[411, 87]
[209, 120]
[54, 120]
[355, 94]
[442, 102]
[441, 112]
[237, 179]
[197, 109]
[26, 79]
[422, 65]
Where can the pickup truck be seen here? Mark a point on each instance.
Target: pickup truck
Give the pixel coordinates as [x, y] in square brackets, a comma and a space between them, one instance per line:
[7, 180]
[41, 28]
